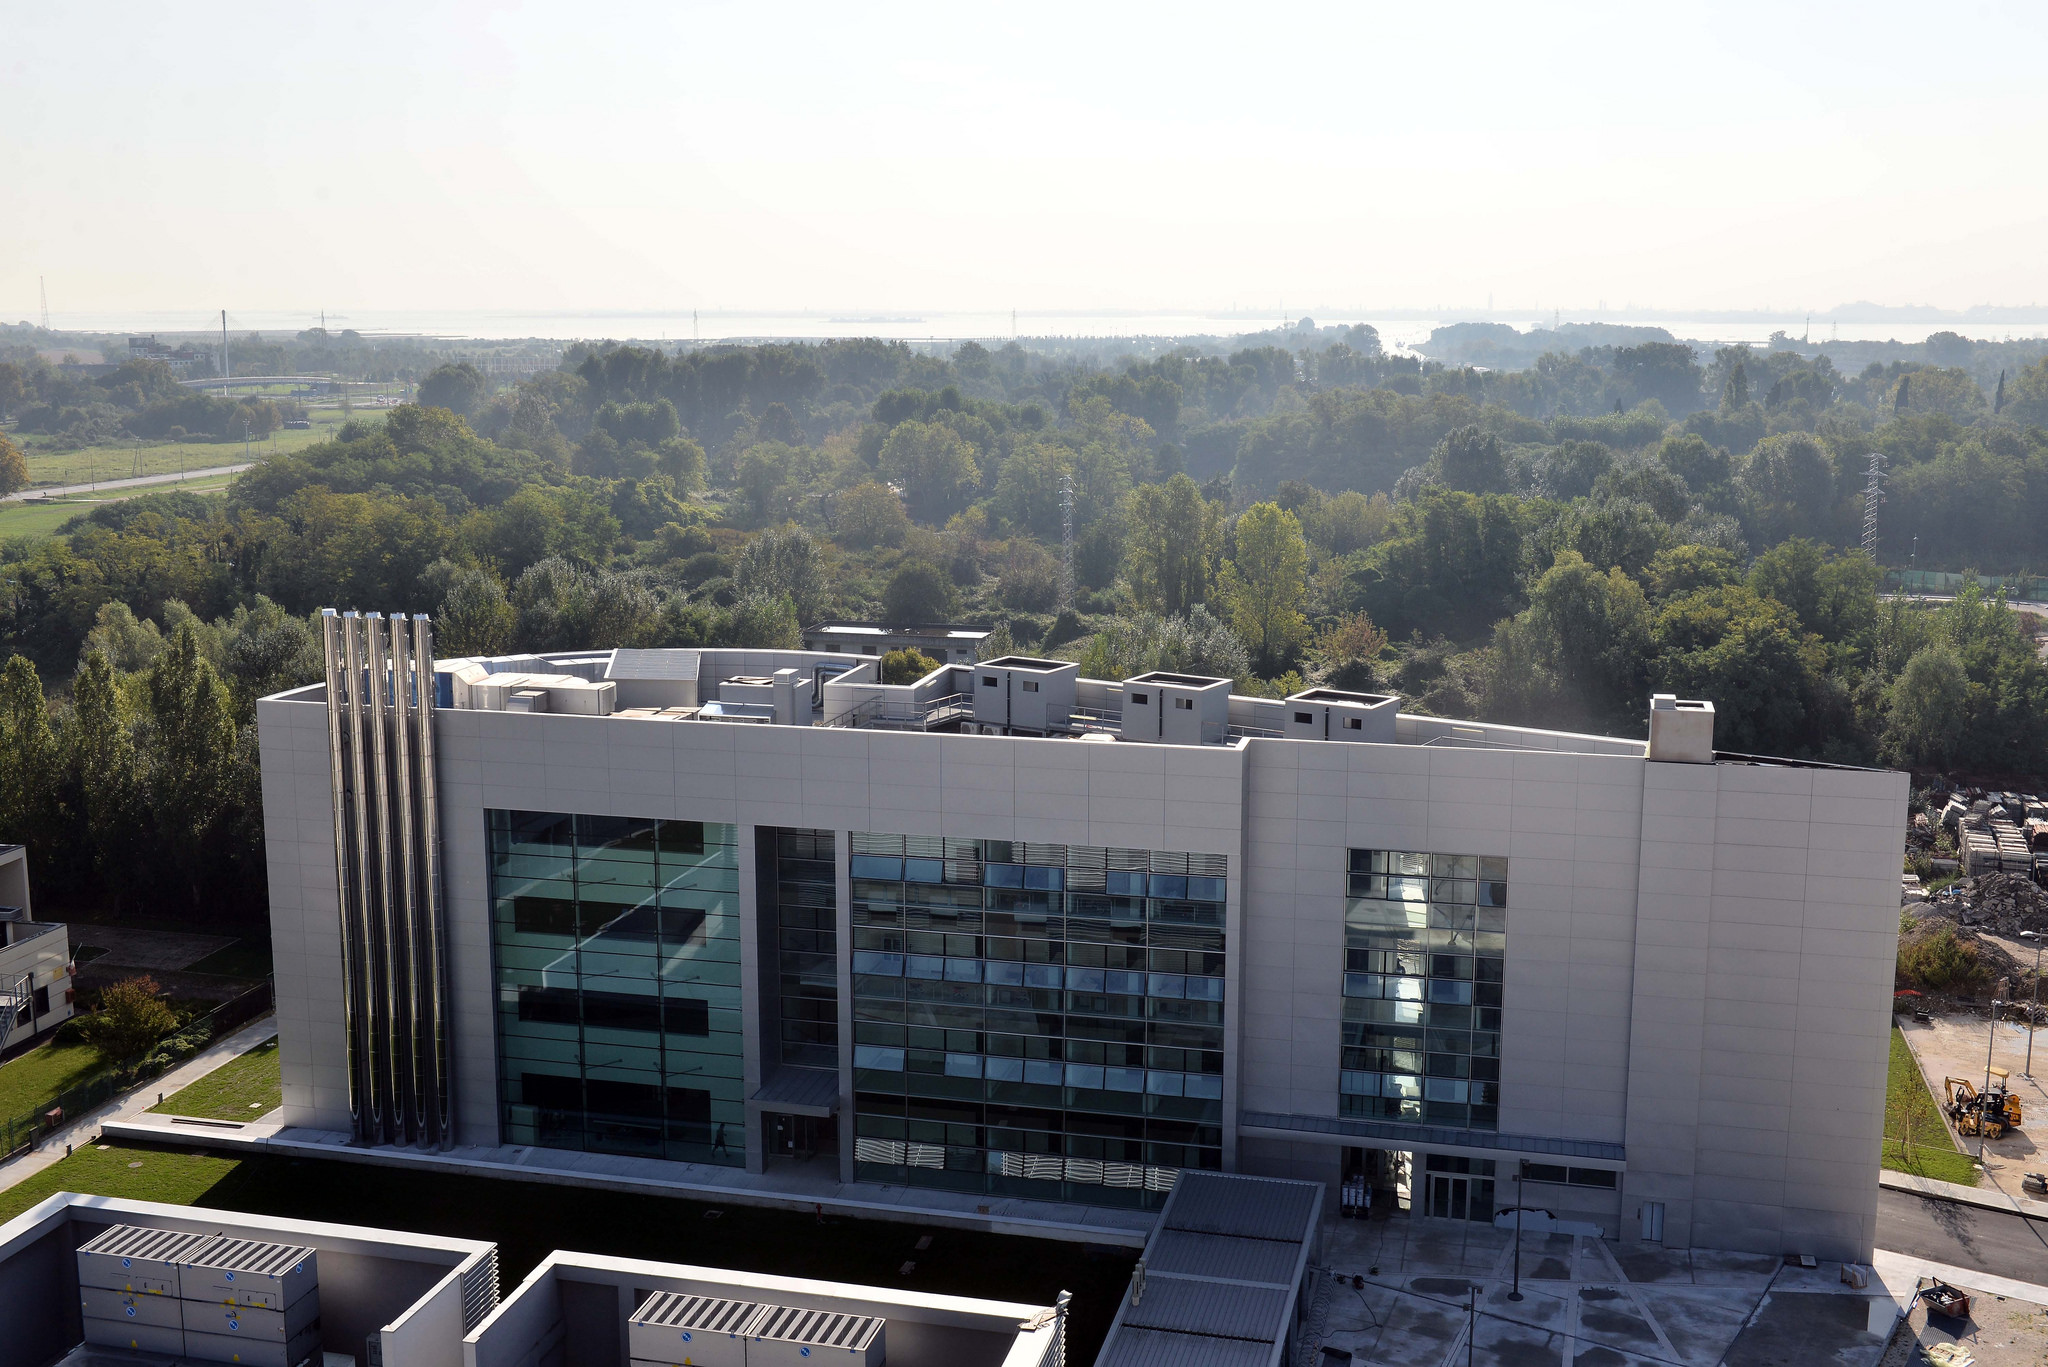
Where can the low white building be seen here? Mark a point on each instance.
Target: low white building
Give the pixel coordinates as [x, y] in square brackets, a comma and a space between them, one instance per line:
[35, 959]
[1645, 987]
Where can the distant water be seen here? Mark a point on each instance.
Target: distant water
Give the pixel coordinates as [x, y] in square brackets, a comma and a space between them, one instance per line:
[1396, 333]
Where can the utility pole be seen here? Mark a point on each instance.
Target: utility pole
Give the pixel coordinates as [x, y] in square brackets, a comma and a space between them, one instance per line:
[2040, 939]
[44, 285]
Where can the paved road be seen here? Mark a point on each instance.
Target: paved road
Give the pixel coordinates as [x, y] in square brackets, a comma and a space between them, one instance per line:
[131, 483]
[2005, 1245]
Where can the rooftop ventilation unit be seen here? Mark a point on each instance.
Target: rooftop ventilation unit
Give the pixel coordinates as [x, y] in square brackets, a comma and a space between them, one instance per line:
[801, 1338]
[142, 1261]
[670, 1327]
[251, 1302]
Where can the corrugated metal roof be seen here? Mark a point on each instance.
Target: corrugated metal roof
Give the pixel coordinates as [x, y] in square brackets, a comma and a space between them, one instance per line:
[1180, 1252]
[1214, 1309]
[1231, 1203]
[1156, 1348]
[667, 663]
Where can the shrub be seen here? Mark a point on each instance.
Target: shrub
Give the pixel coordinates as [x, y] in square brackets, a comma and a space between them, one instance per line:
[131, 1018]
[906, 666]
[1941, 962]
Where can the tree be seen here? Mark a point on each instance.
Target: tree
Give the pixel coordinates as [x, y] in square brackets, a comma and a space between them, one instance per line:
[130, 1019]
[13, 466]
[1171, 534]
[1735, 393]
[105, 770]
[1577, 654]
[1450, 564]
[1030, 578]
[1470, 458]
[459, 388]
[29, 812]
[1744, 652]
[266, 650]
[1927, 708]
[1789, 485]
[1264, 582]
[919, 592]
[1568, 472]
[1350, 649]
[1664, 371]
[758, 622]
[906, 666]
[933, 466]
[476, 617]
[1142, 642]
[870, 514]
[192, 739]
[784, 563]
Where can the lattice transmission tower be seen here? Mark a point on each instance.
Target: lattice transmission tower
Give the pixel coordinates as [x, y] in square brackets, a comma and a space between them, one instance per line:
[1873, 495]
[1066, 541]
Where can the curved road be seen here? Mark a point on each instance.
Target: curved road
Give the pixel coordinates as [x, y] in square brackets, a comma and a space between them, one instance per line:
[135, 481]
[2003, 1243]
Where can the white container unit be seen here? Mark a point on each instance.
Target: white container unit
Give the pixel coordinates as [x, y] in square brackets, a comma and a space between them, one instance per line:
[128, 1287]
[144, 1261]
[671, 1329]
[252, 1302]
[789, 1337]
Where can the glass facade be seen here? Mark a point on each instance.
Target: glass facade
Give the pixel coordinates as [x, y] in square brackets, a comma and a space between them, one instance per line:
[801, 896]
[1425, 941]
[1036, 1020]
[617, 955]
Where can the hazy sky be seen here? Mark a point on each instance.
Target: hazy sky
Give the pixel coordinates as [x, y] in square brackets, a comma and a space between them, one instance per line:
[760, 156]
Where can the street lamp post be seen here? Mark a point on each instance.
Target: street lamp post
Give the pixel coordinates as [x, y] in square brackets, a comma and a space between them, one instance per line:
[1990, 1039]
[1516, 1294]
[2040, 942]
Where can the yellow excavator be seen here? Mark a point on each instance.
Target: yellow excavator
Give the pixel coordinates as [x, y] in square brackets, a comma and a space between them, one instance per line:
[1989, 1113]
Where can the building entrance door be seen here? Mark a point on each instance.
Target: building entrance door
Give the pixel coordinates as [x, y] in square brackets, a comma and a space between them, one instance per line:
[1449, 1197]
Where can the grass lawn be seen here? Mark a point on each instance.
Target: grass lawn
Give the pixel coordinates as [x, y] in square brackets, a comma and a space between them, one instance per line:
[1908, 1105]
[528, 1220]
[244, 1089]
[179, 1179]
[49, 464]
[44, 518]
[31, 1081]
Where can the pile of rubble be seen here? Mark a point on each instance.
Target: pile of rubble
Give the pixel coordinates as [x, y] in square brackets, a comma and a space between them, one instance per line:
[2002, 903]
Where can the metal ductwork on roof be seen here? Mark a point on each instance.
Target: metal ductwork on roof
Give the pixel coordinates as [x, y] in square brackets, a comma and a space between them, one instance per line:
[387, 853]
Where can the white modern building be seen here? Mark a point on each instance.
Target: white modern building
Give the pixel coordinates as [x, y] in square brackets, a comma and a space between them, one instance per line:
[35, 959]
[1012, 931]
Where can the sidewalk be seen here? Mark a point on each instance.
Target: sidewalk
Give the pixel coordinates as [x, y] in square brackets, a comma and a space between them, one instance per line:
[55, 1148]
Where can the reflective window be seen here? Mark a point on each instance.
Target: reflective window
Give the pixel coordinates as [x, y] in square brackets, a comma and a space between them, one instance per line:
[1425, 943]
[1051, 1027]
[616, 943]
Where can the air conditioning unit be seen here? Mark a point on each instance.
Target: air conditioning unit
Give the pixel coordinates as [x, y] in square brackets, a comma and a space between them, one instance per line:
[705, 1331]
[789, 1337]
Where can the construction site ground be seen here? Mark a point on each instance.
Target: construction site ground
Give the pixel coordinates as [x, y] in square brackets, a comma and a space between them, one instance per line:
[1955, 1046]
[2002, 1332]
[1588, 1302]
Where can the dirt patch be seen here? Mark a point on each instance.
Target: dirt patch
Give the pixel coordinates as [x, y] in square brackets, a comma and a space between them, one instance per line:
[2000, 1333]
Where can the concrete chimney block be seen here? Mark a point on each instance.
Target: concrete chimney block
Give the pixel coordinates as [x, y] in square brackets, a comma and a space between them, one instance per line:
[1681, 729]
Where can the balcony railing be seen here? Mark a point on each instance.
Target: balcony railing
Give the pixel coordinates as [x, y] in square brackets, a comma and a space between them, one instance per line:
[889, 714]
